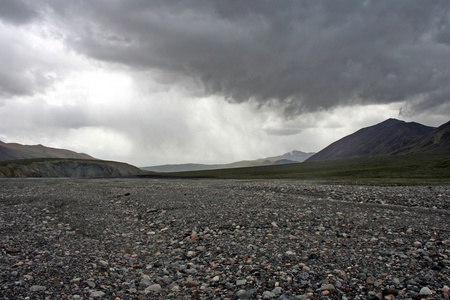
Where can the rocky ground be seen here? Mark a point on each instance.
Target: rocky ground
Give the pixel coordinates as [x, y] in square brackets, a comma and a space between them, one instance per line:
[214, 239]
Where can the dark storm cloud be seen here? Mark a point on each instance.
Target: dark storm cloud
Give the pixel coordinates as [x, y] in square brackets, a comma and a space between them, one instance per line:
[16, 12]
[307, 55]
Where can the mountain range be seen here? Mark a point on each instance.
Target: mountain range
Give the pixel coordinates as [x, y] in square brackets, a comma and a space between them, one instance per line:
[287, 158]
[391, 137]
[13, 151]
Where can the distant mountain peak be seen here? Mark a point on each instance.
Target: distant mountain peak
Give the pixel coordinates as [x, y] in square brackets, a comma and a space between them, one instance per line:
[389, 137]
[294, 155]
[393, 120]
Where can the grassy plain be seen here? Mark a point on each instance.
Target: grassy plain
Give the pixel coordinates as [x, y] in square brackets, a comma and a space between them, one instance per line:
[405, 169]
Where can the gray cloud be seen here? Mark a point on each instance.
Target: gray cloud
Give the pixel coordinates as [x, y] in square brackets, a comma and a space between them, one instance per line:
[282, 131]
[16, 12]
[305, 55]
[25, 72]
[16, 75]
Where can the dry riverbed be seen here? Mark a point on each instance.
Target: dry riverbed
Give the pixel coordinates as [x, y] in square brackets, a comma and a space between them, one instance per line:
[218, 239]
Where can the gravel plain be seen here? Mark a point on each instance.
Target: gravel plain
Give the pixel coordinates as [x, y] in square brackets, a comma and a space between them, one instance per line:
[222, 239]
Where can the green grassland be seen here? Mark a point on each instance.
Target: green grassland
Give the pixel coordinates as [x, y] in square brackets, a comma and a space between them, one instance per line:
[405, 169]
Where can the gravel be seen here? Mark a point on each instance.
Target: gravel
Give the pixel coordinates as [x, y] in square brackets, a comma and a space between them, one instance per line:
[222, 239]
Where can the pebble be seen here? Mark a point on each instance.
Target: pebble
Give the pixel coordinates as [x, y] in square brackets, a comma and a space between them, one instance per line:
[241, 294]
[190, 254]
[145, 281]
[268, 295]
[220, 239]
[425, 291]
[277, 291]
[240, 282]
[103, 263]
[97, 294]
[155, 288]
[28, 277]
[417, 244]
[191, 282]
[327, 287]
[37, 288]
[370, 280]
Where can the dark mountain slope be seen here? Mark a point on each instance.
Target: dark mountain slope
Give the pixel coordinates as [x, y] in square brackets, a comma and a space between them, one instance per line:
[438, 140]
[385, 138]
[11, 151]
[7, 153]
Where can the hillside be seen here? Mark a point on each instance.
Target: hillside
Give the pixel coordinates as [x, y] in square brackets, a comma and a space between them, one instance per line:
[12, 151]
[56, 167]
[386, 138]
[287, 158]
[436, 141]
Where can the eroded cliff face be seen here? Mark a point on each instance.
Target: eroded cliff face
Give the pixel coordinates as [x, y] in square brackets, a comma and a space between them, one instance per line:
[67, 168]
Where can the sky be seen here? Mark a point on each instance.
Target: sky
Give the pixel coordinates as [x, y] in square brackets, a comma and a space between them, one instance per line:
[166, 82]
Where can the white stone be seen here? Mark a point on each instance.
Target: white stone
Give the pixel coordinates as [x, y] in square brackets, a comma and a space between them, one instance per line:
[190, 254]
[240, 282]
[425, 291]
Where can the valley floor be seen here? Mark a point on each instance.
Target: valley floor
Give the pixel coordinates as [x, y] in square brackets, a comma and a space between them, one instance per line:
[218, 239]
